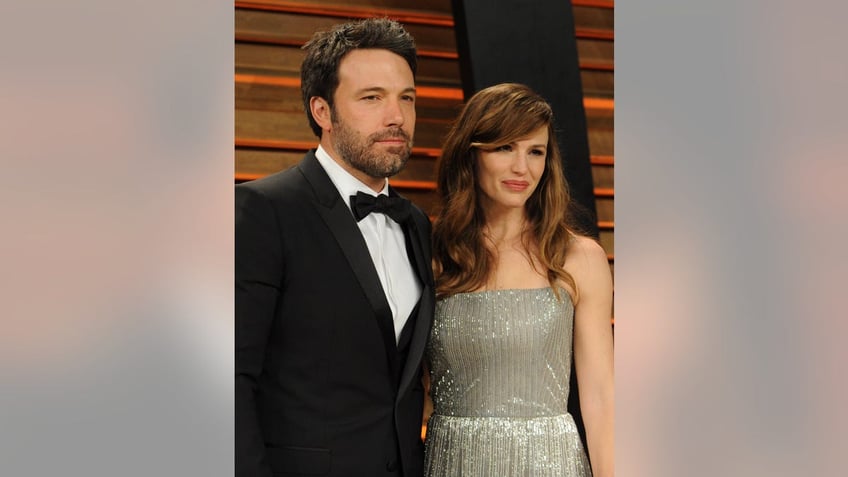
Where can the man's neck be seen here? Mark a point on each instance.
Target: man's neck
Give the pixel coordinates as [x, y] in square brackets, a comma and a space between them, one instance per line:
[374, 183]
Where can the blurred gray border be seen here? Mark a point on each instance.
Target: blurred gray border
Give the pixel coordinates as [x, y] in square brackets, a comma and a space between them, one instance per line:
[730, 229]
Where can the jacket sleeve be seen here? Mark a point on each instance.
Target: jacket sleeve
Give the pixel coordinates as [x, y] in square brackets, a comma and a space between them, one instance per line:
[258, 278]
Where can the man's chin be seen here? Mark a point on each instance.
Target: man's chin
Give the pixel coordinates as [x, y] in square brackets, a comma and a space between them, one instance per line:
[396, 165]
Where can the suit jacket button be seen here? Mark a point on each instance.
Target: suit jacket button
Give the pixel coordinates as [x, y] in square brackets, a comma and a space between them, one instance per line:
[392, 465]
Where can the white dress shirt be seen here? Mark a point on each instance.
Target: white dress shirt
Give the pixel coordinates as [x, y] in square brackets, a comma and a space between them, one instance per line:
[385, 241]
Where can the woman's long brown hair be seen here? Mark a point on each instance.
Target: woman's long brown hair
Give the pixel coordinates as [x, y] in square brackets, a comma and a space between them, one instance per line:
[493, 117]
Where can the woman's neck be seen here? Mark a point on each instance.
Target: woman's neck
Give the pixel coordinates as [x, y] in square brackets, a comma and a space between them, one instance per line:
[506, 230]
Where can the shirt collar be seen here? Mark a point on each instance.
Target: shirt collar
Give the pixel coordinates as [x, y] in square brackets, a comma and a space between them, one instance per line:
[346, 184]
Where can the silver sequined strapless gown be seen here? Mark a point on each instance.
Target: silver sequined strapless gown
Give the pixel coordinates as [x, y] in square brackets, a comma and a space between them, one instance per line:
[500, 363]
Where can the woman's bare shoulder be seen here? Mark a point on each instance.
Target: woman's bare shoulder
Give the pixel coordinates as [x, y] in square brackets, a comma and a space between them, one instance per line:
[585, 249]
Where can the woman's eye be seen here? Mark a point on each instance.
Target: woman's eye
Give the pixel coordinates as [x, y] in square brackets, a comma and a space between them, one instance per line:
[505, 147]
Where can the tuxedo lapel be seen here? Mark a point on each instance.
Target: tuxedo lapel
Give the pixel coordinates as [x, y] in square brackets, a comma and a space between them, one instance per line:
[415, 249]
[425, 306]
[341, 223]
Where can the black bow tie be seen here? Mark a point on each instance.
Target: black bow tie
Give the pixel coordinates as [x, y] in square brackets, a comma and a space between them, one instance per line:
[363, 204]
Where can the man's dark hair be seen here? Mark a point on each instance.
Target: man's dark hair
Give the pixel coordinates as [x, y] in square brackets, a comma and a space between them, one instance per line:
[319, 73]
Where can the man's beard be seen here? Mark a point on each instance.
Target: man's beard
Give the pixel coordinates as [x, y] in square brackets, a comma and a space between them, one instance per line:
[362, 154]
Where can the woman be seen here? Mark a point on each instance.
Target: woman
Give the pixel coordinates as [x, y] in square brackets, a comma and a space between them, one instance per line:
[515, 284]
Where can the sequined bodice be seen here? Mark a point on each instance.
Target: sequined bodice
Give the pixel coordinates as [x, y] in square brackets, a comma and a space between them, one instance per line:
[501, 353]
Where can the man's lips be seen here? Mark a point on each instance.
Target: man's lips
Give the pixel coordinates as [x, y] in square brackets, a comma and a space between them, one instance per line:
[516, 185]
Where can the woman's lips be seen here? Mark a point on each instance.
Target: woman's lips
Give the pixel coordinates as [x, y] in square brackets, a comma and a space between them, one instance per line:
[516, 185]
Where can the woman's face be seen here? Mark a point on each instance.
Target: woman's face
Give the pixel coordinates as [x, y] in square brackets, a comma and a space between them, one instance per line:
[509, 174]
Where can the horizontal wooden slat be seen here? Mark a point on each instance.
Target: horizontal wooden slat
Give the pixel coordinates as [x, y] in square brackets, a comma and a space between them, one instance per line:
[601, 118]
[281, 27]
[593, 17]
[601, 142]
[602, 177]
[275, 60]
[599, 53]
[605, 209]
[355, 11]
[607, 240]
[598, 83]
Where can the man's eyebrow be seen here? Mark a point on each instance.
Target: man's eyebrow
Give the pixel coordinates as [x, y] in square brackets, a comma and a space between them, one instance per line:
[380, 89]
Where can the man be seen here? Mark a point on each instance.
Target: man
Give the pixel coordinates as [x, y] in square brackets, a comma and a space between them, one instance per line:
[333, 303]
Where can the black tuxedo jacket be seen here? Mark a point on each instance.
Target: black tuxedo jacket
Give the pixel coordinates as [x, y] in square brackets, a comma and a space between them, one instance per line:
[321, 386]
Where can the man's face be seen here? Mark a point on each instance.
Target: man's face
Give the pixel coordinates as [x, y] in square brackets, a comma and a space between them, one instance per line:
[373, 118]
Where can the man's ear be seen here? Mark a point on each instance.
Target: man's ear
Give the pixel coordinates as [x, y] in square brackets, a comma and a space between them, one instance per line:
[321, 112]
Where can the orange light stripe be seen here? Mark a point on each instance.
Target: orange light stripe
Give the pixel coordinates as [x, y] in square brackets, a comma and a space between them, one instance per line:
[264, 39]
[599, 103]
[597, 65]
[439, 93]
[244, 176]
[275, 144]
[593, 3]
[594, 34]
[604, 192]
[606, 224]
[602, 160]
[445, 55]
[284, 81]
[418, 185]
